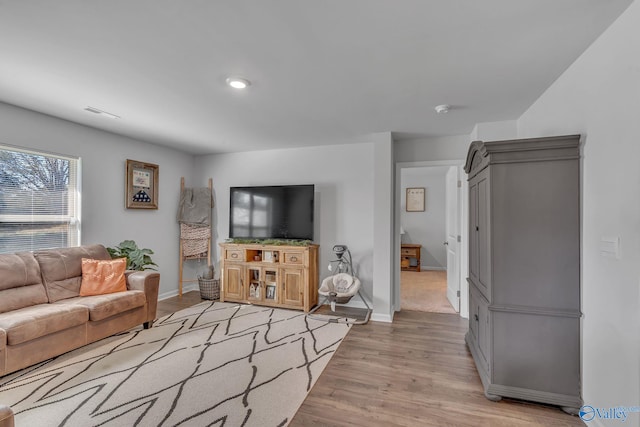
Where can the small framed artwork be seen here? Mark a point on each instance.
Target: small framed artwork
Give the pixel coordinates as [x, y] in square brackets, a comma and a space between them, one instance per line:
[270, 292]
[141, 185]
[415, 199]
[267, 256]
[254, 290]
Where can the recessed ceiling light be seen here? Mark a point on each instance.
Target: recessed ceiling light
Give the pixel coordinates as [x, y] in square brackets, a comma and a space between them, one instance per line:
[238, 82]
[101, 112]
[443, 108]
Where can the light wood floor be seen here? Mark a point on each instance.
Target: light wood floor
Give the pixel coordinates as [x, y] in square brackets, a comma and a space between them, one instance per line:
[171, 305]
[415, 371]
[424, 291]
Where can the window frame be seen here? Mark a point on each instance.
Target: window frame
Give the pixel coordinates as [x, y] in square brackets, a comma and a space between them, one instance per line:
[73, 218]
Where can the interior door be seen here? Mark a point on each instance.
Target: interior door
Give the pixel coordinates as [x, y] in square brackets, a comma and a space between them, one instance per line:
[452, 244]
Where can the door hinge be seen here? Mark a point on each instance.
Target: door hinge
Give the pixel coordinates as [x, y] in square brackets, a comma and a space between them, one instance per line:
[459, 238]
[459, 184]
[458, 294]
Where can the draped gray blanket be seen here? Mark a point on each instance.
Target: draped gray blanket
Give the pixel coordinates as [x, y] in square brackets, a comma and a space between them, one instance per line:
[195, 207]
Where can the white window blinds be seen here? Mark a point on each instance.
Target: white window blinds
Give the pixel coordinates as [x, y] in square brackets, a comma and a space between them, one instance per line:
[39, 200]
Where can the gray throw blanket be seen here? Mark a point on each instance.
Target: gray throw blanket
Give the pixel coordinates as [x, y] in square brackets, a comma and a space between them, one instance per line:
[195, 207]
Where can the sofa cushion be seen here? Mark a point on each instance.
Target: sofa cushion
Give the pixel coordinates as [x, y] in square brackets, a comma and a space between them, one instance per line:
[20, 282]
[62, 269]
[101, 276]
[104, 306]
[36, 321]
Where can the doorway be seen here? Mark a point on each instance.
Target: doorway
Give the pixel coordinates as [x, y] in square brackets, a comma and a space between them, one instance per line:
[430, 237]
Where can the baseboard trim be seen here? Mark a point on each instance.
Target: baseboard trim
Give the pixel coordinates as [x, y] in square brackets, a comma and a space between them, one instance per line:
[427, 267]
[174, 293]
[380, 317]
[355, 303]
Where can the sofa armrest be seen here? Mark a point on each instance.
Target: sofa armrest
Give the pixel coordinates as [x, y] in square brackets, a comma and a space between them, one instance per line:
[149, 282]
[3, 352]
[6, 416]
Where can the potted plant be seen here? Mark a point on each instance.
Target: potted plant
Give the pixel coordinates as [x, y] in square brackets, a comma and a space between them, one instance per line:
[137, 259]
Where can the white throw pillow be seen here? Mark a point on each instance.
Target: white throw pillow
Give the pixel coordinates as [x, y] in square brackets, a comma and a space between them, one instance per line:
[342, 282]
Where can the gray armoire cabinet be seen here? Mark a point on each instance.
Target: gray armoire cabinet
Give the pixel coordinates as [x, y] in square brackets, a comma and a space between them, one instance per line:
[524, 268]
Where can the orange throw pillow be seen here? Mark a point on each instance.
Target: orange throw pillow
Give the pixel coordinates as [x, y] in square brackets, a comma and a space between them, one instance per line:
[101, 277]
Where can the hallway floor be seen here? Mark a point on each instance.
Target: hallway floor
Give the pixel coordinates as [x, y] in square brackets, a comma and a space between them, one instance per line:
[424, 291]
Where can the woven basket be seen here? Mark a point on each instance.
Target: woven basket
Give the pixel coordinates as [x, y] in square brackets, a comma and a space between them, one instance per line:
[209, 288]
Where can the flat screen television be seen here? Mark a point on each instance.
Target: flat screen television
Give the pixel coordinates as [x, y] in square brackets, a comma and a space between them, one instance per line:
[272, 212]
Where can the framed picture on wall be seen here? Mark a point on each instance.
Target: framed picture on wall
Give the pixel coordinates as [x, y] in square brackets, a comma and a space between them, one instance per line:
[141, 185]
[415, 199]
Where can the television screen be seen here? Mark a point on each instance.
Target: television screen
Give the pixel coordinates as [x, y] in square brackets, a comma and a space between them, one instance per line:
[272, 212]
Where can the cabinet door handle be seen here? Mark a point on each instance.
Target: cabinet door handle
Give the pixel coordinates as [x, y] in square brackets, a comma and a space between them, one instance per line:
[477, 228]
[475, 316]
[234, 255]
[293, 259]
[446, 243]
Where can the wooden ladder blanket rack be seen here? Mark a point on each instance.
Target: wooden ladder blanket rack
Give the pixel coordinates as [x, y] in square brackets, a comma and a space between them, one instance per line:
[189, 235]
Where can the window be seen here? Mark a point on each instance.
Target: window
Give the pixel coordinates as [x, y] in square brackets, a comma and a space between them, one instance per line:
[39, 200]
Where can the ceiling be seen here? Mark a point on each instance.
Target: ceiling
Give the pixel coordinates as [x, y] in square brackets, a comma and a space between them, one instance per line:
[322, 71]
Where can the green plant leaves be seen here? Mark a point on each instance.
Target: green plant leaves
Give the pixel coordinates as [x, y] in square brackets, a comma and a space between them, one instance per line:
[137, 259]
[277, 242]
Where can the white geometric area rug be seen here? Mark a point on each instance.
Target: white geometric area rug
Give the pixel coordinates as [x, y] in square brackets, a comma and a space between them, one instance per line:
[214, 364]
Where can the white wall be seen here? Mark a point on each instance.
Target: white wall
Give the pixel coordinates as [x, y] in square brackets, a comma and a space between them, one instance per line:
[104, 217]
[495, 131]
[385, 238]
[343, 176]
[443, 148]
[426, 228]
[599, 97]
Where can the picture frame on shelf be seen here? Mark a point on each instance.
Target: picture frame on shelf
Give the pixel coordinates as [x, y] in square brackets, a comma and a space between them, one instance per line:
[254, 290]
[270, 277]
[141, 188]
[267, 256]
[270, 292]
[415, 200]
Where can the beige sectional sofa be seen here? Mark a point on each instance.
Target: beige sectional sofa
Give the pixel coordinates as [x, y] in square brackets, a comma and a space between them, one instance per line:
[42, 314]
[6, 416]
